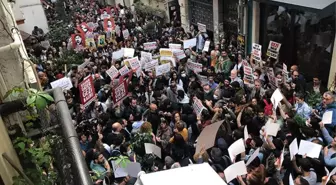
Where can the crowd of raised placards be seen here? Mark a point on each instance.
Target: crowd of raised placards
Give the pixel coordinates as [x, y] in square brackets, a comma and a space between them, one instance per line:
[152, 96]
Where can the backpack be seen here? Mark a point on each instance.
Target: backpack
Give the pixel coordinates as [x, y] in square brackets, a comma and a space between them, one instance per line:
[268, 109]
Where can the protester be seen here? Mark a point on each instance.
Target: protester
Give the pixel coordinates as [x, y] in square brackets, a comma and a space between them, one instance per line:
[142, 81]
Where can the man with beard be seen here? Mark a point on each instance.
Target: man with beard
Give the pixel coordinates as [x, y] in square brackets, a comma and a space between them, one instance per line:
[257, 123]
[100, 165]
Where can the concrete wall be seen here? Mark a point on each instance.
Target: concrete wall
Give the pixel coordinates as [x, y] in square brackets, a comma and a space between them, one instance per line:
[33, 14]
[11, 75]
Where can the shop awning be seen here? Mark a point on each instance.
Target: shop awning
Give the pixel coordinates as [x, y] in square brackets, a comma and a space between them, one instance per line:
[324, 8]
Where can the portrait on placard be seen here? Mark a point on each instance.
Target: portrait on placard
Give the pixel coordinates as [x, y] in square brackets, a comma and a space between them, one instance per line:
[90, 43]
[109, 24]
[101, 41]
[78, 41]
[105, 13]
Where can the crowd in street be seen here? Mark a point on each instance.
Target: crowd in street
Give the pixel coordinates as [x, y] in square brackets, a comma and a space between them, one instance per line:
[167, 86]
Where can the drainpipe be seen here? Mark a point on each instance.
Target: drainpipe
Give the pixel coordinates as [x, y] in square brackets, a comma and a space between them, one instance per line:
[71, 138]
[14, 45]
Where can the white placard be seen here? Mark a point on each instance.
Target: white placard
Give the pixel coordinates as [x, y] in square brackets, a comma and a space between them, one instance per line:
[149, 46]
[246, 135]
[253, 156]
[126, 33]
[273, 49]
[206, 46]
[189, 43]
[293, 148]
[133, 169]
[291, 180]
[149, 66]
[129, 52]
[272, 129]
[201, 27]
[256, 51]
[162, 69]
[330, 174]
[234, 170]
[198, 106]
[311, 149]
[276, 98]
[193, 66]
[327, 117]
[236, 148]
[134, 63]
[112, 72]
[124, 70]
[153, 149]
[175, 46]
[118, 54]
[65, 83]
[118, 170]
[179, 54]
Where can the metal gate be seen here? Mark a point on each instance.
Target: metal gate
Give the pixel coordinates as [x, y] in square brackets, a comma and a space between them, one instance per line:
[201, 11]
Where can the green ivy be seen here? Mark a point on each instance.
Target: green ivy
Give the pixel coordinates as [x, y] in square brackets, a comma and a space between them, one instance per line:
[36, 159]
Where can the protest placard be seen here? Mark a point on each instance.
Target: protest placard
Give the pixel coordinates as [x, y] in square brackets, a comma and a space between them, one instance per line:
[206, 46]
[118, 54]
[202, 79]
[273, 49]
[162, 69]
[248, 75]
[198, 106]
[193, 66]
[201, 27]
[241, 42]
[179, 54]
[112, 72]
[109, 24]
[285, 72]
[90, 43]
[101, 41]
[124, 70]
[134, 63]
[129, 52]
[151, 65]
[149, 46]
[65, 83]
[189, 43]
[164, 52]
[207, 137]
[125, 33]
[175, 46]
[87, 91]
[256, 51]
[120, 92]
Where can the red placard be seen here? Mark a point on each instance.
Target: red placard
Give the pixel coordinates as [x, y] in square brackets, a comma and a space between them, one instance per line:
[109, 24]
[87, 91]
[120, 92]
[78, 41]
[84, 28]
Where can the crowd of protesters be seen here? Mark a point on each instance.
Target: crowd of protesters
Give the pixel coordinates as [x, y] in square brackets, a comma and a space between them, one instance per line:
[159, 108]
